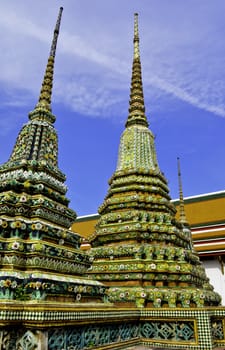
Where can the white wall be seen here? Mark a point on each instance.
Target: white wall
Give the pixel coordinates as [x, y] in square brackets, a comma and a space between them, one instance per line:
[217, 278]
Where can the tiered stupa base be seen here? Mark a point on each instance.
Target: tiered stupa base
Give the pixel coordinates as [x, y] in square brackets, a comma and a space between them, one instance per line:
[152, 275]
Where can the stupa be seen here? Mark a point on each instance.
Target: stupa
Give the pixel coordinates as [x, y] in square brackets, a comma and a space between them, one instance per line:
[40, 255]
[140, 249]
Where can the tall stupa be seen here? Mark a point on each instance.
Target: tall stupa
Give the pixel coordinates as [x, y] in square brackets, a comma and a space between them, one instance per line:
[141, 250]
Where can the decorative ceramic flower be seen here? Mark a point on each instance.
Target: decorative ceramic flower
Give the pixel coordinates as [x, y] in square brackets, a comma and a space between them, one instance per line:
[17, 224]
[15, 245]
[14, 284]
[40, 200]
[23, 198]
[23, 226]
[2, 282]
[78, 297]
[7, 283]
[4, 224]
[38, 226]
[38, 247]
[38, 285]
[13, 224]
[44, 285]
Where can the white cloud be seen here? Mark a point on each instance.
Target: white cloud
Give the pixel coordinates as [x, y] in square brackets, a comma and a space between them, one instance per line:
[87, 98]
[95, 74]
[199, 99]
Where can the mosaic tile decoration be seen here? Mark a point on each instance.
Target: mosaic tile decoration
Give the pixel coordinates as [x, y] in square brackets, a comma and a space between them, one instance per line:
[196, 329]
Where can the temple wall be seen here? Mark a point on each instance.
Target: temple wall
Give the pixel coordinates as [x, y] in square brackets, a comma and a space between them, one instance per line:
[215, 272]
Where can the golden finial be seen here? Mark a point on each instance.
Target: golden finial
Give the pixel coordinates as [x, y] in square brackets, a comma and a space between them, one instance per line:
[183, 219]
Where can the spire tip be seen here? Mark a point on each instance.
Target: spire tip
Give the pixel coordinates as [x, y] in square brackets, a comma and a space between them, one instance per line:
[46, 89]
[136, 105]
[183, 219]
[56, 33]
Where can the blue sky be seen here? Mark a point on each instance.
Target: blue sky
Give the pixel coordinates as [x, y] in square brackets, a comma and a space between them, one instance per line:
[182, 49]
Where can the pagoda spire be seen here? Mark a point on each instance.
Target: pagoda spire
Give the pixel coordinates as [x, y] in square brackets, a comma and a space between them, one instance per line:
[182, 218]
[46, 89]
[137, 144]
[38, 140]
[136, 105]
